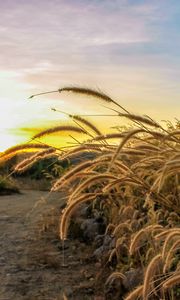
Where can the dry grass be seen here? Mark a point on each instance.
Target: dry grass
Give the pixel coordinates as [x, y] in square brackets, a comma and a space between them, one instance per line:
[136, 181]
[27, 163]
[136, 294]
[58, 129]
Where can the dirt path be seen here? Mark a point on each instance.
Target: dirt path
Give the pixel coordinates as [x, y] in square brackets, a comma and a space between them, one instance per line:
[31, 265]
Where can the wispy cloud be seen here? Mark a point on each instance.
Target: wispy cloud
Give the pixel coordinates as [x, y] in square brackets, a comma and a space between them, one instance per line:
[78, 33]
[62, 30]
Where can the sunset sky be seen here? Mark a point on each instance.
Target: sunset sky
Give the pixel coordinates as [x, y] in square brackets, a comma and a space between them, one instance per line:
[128, 49]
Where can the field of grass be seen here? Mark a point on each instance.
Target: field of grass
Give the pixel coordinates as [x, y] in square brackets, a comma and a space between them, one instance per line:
[123, 201]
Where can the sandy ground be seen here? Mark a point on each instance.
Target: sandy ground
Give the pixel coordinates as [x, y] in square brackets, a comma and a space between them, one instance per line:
[34, 266]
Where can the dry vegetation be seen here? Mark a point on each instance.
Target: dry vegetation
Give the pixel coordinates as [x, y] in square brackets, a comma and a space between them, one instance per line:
[132, 185]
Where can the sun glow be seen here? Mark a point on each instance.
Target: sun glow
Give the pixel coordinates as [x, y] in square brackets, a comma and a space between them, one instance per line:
[12, 115]
[9, 140]
[20, 118]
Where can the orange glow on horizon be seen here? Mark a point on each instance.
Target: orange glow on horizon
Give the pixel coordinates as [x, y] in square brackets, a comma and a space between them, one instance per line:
[22, 118]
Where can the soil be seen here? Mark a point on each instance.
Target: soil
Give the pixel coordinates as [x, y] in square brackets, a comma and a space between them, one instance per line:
[34, 265]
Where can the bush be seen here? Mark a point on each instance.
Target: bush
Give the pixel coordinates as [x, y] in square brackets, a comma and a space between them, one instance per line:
[7, 186]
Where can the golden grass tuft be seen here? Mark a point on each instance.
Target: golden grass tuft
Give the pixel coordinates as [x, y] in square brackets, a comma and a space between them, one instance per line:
[152, 269]
[136, 241]
[171, 282]
[56, 129]
[86, 92]
[128, 136]
[114, 276]
[174, 234]
[121, 228]
[86, 123]
[68, 175]
[69, 211]
[133, 180]
[28, 162]
[172, 250]
[135, 294]
[91, 181]
[142, 119]
[22, 147]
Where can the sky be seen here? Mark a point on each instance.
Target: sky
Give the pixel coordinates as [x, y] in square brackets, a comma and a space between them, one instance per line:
[128, 49]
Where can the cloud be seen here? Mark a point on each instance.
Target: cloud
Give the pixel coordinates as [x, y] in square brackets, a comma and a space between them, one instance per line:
[62, 31]
[67, 37]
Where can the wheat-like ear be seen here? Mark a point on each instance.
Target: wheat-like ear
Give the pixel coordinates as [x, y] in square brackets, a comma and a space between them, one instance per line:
[141, 119]
[136, 214]
[125, 227]
[64, 297]
[87, 123]
[152, 148]
[28, 162]
[80, 175]
[122, 180]
[133, 152]
[81, 120]
[157, 183]
[168, 172]
[137, 239]
[157, 230]
[91, 92]
[105, 146]
[148, 160]
[171, 235]
[69, 211]
[100, 161]
[128, 211]
[115, 275]
[159, 135]
[89, 148]
[13, 150]
[59, 129]
[153, 227]
[83, 166]
[141, 235]
[87, 92]
[152, 269]
[122, 167]
[171, 167]
[84, 91]
[112, 254]
[174, 215]
[175, 132]
[163, 234]
[128, 136]
[107, 137]
[135, 294]
[120, 241]
[149, 253]
[111, 185]
[90, 181]
[170, 164]
[171, 282]
[104, 160]
[174, 248]
[80, 150]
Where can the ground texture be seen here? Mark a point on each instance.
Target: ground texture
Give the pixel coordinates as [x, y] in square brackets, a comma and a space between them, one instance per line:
[33, 263]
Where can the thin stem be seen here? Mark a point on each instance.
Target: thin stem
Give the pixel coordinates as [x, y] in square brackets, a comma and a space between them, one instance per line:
[85, 115]
[43, 93]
